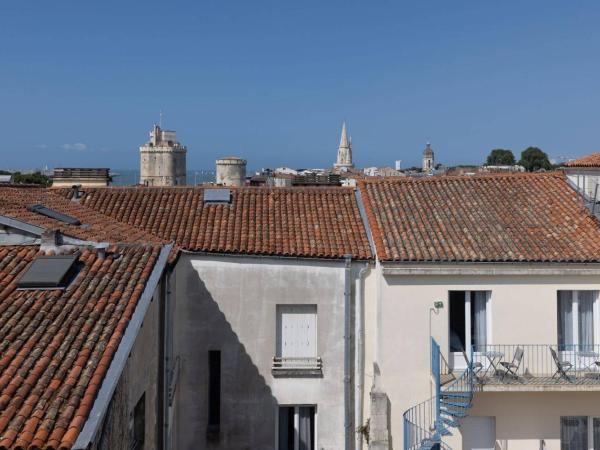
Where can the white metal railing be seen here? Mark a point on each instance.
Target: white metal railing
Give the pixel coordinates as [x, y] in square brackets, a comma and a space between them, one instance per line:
[287, 363]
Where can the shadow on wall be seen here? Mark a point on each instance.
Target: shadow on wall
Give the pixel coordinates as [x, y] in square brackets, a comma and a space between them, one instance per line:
[248, 409]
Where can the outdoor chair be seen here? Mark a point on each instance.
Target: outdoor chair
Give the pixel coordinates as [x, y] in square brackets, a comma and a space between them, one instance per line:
[562, 367]
[476, 366]
[512, 368]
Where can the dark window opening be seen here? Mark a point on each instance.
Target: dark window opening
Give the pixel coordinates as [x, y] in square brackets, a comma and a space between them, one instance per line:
[139, 423]
[296, 428]
[457, 321]
[574, 433]
[214, 393]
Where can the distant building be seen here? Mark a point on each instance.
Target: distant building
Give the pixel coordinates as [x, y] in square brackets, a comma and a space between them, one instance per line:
[162, 159]
[231, 171]
[385, 171]
[398, 165]
[584, 173]
[503, 168]
[428, 158]
[317, 179]
[85, 177]
[344, 154]
[286, 171]
[6, 179]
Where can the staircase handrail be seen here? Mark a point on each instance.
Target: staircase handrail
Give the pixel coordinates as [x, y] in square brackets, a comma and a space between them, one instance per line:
[423, 423]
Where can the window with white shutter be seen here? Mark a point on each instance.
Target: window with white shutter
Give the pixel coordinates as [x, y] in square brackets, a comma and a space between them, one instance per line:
[296, 338]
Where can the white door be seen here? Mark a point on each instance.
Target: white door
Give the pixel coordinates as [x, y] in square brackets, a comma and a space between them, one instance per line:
[297, 331]
[478, 433]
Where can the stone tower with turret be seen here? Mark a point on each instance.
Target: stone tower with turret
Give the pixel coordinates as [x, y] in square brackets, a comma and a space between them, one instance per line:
[162, 159]
[428, 159]
[344, 153]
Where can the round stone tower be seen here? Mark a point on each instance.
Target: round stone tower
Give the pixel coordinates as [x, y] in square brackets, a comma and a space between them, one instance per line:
[231, 171]
[162, 159]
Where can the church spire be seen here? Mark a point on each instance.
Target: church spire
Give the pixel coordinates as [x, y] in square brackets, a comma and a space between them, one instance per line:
[344, 153]
[344, 137]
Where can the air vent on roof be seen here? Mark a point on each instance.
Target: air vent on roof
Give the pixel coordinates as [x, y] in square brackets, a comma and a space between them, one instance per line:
[44, 211]
[48, 272]
[217, 195]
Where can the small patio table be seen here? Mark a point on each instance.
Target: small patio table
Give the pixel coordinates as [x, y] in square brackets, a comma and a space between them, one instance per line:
[588, 360]
[494, 357]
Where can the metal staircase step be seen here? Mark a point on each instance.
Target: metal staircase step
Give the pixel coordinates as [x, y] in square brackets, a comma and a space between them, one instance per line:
[455, 404]
[450, 422]
[426, 444]
[453, 413]
[455, 394]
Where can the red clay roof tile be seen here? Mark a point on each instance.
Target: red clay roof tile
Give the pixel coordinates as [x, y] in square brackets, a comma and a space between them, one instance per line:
[491, 218]
[592, 160]
[54, 347]
[319, 222]
[95, 226]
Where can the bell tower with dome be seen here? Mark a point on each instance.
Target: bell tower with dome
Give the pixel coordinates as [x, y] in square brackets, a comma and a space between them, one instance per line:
[428, 159]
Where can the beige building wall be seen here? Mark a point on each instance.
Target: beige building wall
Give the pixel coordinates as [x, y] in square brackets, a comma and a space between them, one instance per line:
[523, 311]
[529, 421]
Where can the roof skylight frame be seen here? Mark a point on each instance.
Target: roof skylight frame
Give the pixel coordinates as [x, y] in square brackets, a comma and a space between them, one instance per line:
[53, 214]
[217, 196]
[48, 272]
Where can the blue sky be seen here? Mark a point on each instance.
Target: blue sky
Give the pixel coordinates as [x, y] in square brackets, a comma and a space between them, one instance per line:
[82, 82]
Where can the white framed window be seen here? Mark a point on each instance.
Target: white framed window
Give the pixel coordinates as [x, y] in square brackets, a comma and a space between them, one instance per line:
[469, 324]
[296, 331]
[578, 325]
[297, 427]
[579, 433]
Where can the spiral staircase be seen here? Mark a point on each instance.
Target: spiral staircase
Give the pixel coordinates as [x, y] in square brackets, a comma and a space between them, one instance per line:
[427, 423]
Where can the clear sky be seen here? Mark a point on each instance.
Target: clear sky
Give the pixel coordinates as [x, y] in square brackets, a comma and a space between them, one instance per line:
[82, 82]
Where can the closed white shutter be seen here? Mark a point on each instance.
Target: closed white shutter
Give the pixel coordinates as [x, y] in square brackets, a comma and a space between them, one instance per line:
[297, 329]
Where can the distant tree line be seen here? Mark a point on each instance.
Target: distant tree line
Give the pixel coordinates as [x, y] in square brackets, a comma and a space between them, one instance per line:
[532, 158]
[28, 178]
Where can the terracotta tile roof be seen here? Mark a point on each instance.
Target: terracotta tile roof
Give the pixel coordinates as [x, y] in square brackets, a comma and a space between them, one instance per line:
[56, 345]
[321, 222]
[493, 218]
[592, 160]
[95, 226]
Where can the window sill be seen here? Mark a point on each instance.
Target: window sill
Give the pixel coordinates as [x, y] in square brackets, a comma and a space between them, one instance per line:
[297, 367]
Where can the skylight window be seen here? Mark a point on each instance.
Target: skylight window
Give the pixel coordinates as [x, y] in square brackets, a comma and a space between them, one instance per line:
[53, 214]
[48, 272]
[217, 195]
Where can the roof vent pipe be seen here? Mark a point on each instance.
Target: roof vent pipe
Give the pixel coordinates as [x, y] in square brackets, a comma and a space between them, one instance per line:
[50, 238]
[101, 250]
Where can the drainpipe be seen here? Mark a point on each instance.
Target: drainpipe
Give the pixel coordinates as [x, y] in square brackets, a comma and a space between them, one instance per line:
[359, 374]
[347, 352]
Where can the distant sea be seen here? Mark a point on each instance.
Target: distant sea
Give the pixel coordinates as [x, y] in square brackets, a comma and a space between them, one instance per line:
[126, 177]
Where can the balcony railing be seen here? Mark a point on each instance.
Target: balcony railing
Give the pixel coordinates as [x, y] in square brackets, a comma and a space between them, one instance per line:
[285, 366]
[537, 364]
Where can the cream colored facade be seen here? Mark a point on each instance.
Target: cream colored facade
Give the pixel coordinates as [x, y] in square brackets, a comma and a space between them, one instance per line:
[522, 309]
